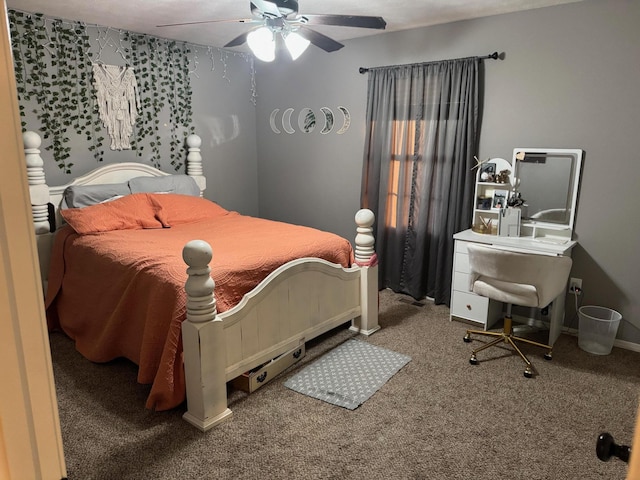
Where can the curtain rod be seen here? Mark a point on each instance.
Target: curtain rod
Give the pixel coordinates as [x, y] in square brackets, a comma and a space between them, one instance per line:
[492, 56]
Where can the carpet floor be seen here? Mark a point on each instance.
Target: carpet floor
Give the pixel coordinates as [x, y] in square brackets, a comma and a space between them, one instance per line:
[438, 418]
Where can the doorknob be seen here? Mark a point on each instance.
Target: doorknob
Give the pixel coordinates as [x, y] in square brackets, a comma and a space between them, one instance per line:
[606, 448]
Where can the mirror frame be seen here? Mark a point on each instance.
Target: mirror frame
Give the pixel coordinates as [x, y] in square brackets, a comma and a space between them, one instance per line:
[574, 183]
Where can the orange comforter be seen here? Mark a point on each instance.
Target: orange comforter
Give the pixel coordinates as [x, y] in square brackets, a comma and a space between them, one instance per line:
[118, 291]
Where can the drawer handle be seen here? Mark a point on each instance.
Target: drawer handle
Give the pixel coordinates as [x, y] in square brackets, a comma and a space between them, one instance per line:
[261, 378]
[468, 307]
[297, 353]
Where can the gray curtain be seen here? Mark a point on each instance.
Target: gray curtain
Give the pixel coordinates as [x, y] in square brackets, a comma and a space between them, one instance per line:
[422, 130]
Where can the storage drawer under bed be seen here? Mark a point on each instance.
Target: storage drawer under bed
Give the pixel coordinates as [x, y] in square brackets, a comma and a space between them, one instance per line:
[252, 380]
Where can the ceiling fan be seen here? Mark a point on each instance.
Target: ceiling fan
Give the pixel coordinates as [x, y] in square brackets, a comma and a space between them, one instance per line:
[280, 18]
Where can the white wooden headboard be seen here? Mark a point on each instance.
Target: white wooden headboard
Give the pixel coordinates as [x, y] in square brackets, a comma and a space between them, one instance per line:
[44, 197]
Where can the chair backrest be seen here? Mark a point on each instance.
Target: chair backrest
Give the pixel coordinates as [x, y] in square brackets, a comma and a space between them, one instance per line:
[546, 274]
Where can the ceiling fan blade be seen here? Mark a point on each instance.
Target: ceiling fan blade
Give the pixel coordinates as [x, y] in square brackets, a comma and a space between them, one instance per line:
[239, 40]
[265, 7]
[319, 40]
[343, 21]
[237, 20]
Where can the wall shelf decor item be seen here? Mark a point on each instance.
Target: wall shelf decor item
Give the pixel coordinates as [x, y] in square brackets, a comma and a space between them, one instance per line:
[307, 120]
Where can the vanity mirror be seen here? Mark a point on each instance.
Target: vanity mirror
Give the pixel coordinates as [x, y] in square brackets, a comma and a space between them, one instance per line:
[548, 181]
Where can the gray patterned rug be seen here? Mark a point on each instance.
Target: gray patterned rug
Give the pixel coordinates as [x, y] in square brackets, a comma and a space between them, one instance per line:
[349, 374]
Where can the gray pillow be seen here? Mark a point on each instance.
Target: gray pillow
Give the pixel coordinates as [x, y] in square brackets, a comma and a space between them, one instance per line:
[181, 184]
[77, 196]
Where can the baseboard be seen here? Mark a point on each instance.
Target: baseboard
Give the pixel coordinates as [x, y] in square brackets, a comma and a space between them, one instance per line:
[634, 347]
[627, 345]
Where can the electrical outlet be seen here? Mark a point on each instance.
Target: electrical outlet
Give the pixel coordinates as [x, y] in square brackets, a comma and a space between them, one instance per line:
[575, 283]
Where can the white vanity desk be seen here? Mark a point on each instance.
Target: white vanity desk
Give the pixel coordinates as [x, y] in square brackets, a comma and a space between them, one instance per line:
[474, 308]
[548, 181]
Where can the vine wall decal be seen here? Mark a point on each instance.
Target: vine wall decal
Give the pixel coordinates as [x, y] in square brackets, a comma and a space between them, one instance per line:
[51, 69]
[53, 61]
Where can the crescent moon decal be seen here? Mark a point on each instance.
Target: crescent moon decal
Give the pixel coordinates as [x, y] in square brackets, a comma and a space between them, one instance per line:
[272, 120]
[328, 120]
[286, 121]
[307, 120]
[347, 120]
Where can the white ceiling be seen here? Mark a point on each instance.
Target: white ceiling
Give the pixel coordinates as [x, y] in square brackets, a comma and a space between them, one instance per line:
[143, 16]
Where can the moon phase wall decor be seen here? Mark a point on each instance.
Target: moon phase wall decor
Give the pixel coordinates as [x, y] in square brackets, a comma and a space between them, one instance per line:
[307, 120]
[272, 120]
[346, 122]
[286, 121]
[328, 120]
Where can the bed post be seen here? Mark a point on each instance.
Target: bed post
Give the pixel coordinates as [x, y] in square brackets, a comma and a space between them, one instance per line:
[39, 194]
[38, 189]
[194, 162]
[366, 258]
[205, 375]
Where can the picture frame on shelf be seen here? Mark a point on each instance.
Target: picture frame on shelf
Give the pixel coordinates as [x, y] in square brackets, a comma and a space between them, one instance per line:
[484, 203]
[487, 172]
[500, 198]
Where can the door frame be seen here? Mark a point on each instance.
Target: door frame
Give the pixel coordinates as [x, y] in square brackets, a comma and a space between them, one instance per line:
[30, 436]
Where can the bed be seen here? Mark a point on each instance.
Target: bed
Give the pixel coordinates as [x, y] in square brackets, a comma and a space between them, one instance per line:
[276, 285]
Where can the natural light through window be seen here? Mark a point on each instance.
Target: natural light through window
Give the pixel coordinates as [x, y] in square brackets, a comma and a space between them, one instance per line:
[402, 152]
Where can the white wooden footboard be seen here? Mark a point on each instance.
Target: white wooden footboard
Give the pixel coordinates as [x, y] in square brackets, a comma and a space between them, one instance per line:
[297, 302]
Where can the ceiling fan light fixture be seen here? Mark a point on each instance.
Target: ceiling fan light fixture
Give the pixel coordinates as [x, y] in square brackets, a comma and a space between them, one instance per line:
[263, 44]
[296, 44]
[280, 21]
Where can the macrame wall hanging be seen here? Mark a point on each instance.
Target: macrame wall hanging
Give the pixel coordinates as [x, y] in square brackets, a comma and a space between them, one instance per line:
[118, 102]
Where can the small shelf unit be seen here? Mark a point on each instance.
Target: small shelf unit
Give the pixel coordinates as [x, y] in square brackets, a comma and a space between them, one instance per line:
[489, 196]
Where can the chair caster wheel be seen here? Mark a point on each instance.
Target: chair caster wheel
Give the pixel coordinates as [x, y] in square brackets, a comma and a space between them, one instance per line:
[473, 360]
[528, 372]
[548, 356]
[467, 338]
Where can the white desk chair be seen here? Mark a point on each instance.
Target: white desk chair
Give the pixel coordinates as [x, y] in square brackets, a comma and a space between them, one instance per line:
[526, 279]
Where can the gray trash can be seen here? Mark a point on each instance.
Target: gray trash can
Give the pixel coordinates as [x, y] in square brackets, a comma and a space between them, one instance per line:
[597, 329]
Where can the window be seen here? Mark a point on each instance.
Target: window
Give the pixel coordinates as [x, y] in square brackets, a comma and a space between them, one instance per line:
[403, 152]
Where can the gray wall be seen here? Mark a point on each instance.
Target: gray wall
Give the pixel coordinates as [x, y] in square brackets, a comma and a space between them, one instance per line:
[570, 79]
[225, 118]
